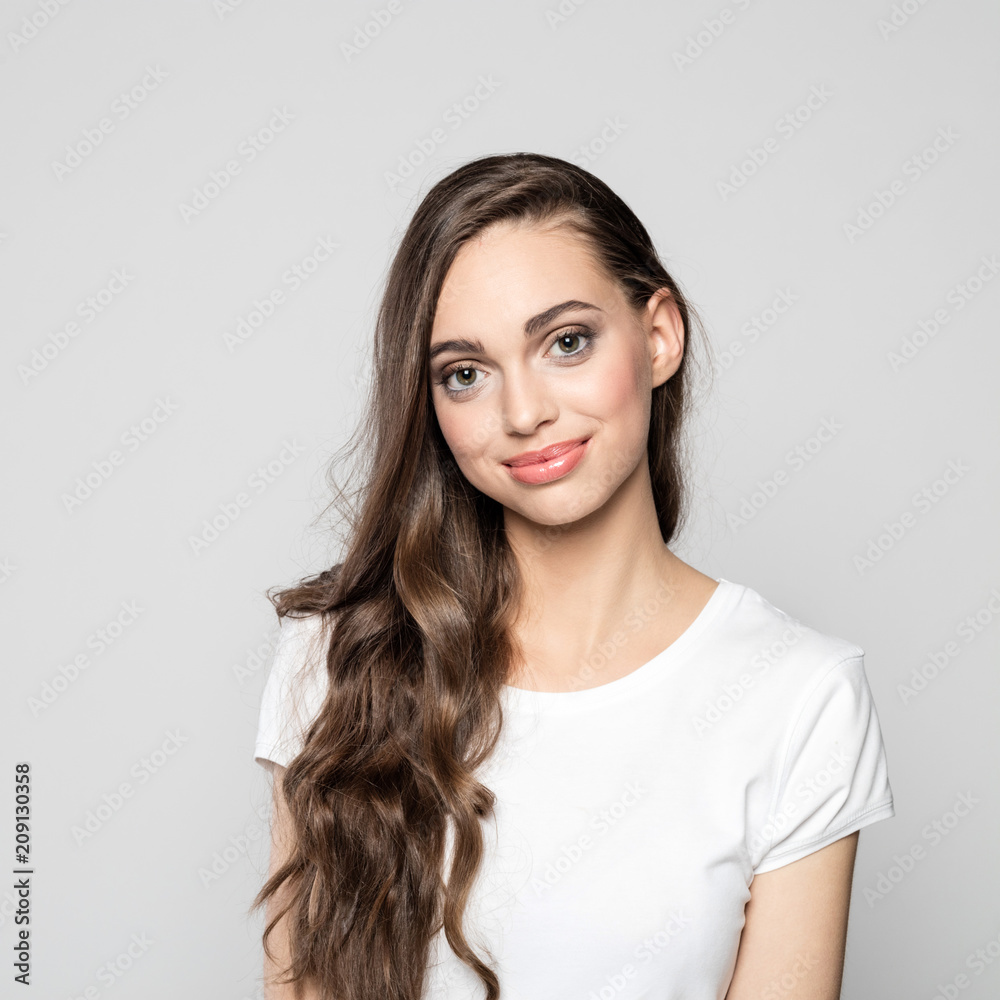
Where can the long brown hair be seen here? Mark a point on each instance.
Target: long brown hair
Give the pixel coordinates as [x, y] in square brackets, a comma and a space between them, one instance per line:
[421, 607]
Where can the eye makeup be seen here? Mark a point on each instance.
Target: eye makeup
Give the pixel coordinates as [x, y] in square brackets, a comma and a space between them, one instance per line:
[588, 336]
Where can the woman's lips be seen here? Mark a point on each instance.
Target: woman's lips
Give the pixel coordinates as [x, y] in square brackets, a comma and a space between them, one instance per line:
[548, 464]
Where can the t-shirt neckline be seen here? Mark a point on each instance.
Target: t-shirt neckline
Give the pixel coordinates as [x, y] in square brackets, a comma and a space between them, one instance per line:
[722, 597]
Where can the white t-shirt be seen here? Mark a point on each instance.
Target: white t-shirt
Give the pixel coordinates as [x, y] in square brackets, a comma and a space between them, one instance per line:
[631, 817]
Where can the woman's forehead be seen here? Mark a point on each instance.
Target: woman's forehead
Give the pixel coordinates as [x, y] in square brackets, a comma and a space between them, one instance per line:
[519, 270]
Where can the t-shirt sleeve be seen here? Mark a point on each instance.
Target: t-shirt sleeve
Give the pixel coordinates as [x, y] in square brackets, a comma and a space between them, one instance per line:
[834, 779]
[294, 691]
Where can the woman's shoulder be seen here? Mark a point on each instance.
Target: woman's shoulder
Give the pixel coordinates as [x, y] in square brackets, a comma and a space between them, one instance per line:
[772, 679]
[299, 644]
[767, 637]
[296, 686]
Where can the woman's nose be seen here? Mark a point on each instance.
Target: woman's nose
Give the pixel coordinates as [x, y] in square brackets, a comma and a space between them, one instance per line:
[527, 402]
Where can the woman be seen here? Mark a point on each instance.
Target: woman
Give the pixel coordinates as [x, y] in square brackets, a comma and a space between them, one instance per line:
[520, 748]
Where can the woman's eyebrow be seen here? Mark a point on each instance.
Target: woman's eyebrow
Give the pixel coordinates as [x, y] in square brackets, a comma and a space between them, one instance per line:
[531, 327]
[536, 323]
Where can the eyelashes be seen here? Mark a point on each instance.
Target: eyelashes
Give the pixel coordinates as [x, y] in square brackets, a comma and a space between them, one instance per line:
[458, 368]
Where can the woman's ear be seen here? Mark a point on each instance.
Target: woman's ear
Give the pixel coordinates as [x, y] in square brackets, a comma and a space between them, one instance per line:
[665, 332]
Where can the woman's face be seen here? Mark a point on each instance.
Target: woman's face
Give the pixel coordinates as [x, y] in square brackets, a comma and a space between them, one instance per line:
[533, 346]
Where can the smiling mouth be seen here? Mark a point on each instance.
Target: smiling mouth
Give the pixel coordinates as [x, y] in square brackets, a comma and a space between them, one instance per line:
[559, 460]
[544, 454]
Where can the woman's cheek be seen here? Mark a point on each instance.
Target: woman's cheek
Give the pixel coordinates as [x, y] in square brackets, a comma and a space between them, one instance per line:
[454, 437]
[612, 388]
[465, 433]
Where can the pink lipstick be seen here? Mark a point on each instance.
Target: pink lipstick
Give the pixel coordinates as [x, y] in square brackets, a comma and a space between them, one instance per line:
[547, 464]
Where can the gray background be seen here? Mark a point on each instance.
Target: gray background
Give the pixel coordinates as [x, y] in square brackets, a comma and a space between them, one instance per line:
[185, 663]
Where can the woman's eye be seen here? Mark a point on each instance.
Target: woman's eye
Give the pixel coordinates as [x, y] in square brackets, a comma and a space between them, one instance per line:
[573, 340]
[465, 378]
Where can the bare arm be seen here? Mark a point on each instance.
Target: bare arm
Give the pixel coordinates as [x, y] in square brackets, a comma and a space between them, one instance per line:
[795, 932]
[281, 839]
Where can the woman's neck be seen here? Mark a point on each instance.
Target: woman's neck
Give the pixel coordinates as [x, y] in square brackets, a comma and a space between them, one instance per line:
[603, 584]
